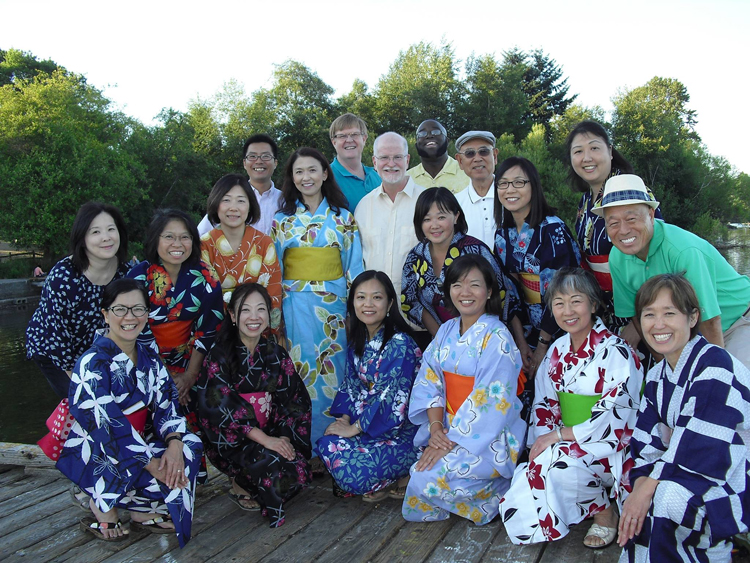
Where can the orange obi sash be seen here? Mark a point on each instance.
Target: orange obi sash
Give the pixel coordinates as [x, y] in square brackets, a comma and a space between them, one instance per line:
[599, 266]
[531, 289]
[172, 334]
[457, 388]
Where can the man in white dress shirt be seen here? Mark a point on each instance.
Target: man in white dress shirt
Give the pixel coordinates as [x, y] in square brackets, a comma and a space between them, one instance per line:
[259, 156]
[477, 157]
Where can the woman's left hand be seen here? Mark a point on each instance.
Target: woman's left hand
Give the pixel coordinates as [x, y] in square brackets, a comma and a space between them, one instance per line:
[341, 427]
[173, 465]
[542, 443]
[430, 456]
[635, 508]
[184, 382]
[526, 355]
[536, 359]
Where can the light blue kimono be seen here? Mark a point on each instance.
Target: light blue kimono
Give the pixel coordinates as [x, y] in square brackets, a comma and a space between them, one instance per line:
[314, 311]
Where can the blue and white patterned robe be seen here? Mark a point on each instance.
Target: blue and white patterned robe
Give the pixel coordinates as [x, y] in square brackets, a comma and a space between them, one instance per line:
[105, 455]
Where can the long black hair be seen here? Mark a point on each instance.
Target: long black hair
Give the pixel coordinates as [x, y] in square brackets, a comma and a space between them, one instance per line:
[85, 216]
[619, 162]
[226, 347]
[462, 266]
[393, 322]
[539, 208]
[330, 189]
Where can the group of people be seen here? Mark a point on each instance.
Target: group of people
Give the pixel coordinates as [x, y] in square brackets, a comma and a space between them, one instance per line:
[416, 333]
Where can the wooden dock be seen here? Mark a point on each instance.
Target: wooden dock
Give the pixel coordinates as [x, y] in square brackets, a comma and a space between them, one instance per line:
[39, 523]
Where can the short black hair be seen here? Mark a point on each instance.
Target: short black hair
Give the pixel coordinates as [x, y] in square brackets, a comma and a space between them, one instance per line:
[445, 201]
[462, 266]
[539, 208]
[261, 138]
[393, 323]
[221, 188]
[119, 286]
[85, 216]
[156, 228]
[588, 127]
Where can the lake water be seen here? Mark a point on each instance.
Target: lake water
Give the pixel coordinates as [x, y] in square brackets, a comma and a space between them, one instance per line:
[27, 399]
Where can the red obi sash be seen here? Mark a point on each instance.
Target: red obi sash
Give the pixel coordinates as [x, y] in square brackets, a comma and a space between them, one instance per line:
[599, 266]
[61, 421]
[172, 334]
[261, 403]
[457, 388]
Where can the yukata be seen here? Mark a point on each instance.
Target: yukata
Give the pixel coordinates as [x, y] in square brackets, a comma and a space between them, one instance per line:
[473, 377]
[254, 261]
[692, 435]
[422, 290]
[65, 322]
[321, 254]
[568, 482]
[595, 245]
[263, 391]
[532, 257]
[122, 413]
[375, 392]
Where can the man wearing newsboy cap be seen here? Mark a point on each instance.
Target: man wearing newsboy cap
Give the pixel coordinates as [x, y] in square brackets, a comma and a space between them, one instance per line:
[645, 247]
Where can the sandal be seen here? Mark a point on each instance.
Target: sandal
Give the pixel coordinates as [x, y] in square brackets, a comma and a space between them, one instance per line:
[377, 496]
[238, 499]
[399, 493]
[82, 503]
[152, 525]
[602, 532]
[91, 525]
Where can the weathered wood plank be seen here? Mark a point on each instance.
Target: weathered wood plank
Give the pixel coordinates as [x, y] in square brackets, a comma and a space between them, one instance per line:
[28, 483]
[15, 474]
[365, 540]
[322, 532]
[41, 492]
[29, 516]
[415, 541]
[4, 468]
[570, 549]
[503, 550]
[24, 454]
[45, 528]
[307, 506]
[465, 542]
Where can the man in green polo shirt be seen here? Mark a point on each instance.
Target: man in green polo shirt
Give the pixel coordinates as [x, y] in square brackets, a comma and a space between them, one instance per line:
[348, 136]
[645, 247]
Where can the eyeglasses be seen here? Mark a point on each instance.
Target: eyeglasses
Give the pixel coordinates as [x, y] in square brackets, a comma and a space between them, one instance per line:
[347, 136]
[471, 153]
[434, 133]
[518, 184]
[170, 238]
[122, 310]
[265, 157]
[394, 158]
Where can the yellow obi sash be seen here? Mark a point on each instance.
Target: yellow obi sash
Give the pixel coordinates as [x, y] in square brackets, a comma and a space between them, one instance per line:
[313, 264]
[457, 388]
[576, 408]
[530, 286]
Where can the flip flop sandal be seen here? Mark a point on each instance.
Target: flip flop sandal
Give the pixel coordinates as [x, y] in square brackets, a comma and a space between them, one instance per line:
[82, 503]
[152, 525]
[603, 532]
[399, 493]
[91, 525]
[377, 496]
[238, 499]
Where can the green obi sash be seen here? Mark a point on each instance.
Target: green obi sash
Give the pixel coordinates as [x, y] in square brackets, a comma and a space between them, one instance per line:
[313, 264]
[576, 408]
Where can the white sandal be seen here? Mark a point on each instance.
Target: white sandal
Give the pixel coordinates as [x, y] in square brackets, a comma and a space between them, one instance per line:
[601, 532]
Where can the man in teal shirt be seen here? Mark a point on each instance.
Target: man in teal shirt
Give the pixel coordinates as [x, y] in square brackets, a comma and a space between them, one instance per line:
[645, 247]
[349, 135]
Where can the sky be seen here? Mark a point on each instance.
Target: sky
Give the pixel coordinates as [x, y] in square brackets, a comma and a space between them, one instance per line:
[151, 55]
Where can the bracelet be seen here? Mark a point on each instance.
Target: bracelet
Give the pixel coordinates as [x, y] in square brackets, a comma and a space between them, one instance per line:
[172, 438]
[559, 434]
[358, 426]
[440, 422]
[545, 342]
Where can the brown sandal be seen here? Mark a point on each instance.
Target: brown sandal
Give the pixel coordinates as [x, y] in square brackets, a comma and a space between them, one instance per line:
[93, 526]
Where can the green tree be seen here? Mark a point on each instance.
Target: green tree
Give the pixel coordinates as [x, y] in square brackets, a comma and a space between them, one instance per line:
[19, 65]
[60, 146]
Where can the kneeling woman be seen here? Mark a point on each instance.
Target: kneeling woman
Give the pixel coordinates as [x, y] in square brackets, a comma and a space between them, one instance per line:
[118, 386]
[464, 402]
[690, 480]
[585, 405]
[371, 443]
[254, 409]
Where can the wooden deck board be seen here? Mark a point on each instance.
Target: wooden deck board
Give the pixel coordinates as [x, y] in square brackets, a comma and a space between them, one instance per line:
[319, 527]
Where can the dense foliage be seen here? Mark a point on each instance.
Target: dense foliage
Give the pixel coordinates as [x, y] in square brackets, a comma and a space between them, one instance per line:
[61, 142]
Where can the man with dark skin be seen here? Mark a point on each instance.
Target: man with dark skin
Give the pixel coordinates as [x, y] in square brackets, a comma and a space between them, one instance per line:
[436, 168]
